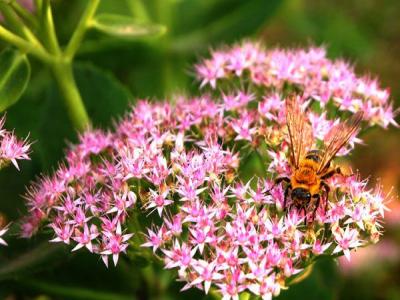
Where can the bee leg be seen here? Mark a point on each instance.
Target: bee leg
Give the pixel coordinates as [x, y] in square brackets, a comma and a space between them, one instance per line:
[303, 208]
[327, 189]
[318, 198]
[286, 195]
[280, 179]
[331, 172]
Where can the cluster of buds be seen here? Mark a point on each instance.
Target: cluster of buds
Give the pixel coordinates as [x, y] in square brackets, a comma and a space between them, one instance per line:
[185, 167]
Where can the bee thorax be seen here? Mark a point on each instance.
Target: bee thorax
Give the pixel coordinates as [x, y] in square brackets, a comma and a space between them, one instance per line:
[305, 175]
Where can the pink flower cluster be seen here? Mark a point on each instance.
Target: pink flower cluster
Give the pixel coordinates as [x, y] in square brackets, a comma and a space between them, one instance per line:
[184, 166]
[88, 199]
[310, 71]
[236, 237]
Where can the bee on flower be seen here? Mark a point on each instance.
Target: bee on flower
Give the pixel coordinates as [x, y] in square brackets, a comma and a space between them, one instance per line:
[207, 165]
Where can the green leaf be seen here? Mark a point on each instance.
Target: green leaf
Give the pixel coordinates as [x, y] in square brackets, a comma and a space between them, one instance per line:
[322, 283]
[24, 118]
[14, 76]
[125, 27]
[222, 21]
[105, 99]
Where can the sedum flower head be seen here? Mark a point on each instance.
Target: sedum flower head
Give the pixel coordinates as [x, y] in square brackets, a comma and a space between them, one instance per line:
[202, 172]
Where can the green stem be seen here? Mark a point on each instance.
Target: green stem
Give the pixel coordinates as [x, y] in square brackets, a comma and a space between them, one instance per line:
[303, 275]
[24, 14]
[60, 63]
[11, 18]
[48, 25]
[80, 30]
[65, 79]
[214, 294]
[17, 25]
[24, 45]
[244, 296]
[139, 10]
[165, 12]
[39, 5]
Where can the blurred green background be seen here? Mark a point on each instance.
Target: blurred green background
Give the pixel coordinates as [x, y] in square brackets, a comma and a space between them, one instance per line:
[112, 72]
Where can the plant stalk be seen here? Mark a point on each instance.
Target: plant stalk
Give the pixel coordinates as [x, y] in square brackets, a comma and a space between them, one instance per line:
[80, 30]
[15, 23]
[63, 74]
[24, 45]
[50, 31]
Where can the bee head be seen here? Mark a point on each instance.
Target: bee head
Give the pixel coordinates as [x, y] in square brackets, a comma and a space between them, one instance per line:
[301, 194]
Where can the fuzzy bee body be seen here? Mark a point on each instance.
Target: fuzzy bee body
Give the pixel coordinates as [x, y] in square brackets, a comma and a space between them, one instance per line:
[310, 168]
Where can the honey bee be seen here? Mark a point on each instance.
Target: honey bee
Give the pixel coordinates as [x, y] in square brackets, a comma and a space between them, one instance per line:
[311, 167]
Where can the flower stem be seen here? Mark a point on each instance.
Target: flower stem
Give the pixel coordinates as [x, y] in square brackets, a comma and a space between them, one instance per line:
[303, 275]
[139, 10]
[24, 14]
[48, 25]
[24, 45]
[59, 62]
[80, 30]
[244, 296]
[63, 74]
[15, 23]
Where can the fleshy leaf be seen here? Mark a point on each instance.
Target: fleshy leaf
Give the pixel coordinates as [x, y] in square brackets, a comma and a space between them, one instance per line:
[14, 76]
[109, 99]
[125, 27]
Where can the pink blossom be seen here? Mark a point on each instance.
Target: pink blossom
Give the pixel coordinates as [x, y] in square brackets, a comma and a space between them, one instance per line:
[208, 165]
[346, 240]
[11, 148]
[114, 244]
[206, 274]
[84, 238]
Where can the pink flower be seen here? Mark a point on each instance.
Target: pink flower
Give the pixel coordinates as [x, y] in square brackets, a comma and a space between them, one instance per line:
[11, 148]
[206, 274]
[114, 244]
[154, 240]
[63, 232]
[318, 248]
[84, 239]
[179, 256]
[346, 240]
[158, 200]
[233, 102]
[243, 129]
[266, 288]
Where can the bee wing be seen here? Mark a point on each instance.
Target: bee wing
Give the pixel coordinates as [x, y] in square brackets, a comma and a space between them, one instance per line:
[300, 131]
[338, 137]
